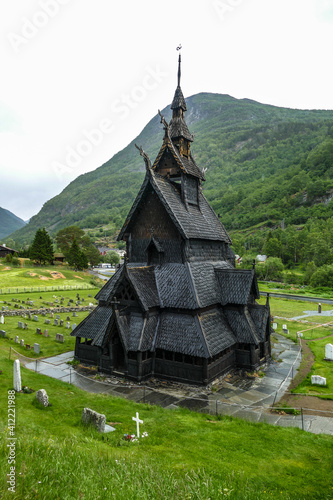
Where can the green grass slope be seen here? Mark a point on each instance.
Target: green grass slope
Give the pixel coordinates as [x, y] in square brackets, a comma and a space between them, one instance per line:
[185, 455]
[263, 162]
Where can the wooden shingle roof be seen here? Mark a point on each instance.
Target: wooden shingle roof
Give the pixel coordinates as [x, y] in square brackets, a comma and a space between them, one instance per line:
[91, 327]
[236, 285]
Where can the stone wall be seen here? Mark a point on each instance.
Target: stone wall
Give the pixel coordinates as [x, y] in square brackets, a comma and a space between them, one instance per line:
[47, 310]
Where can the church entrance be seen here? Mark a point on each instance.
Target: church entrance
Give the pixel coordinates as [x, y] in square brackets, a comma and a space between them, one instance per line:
[118, 355]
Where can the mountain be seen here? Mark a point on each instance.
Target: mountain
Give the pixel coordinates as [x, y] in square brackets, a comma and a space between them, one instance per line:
[264, 164]
[9, 222]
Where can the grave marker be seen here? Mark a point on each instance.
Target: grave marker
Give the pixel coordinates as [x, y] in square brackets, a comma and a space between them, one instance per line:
[318, 380]
[17, 376]
[138, 421]
[329, 352]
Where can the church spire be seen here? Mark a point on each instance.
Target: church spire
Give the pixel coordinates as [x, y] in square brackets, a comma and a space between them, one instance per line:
[179, 132]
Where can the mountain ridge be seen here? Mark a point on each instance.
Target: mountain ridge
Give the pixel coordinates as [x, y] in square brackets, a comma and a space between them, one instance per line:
[245, 145]
[9, 222]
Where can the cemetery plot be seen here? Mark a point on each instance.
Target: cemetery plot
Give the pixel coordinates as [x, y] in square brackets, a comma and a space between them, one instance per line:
[51, 339]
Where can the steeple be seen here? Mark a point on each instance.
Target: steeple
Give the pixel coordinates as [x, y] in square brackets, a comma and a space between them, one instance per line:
[179, 132]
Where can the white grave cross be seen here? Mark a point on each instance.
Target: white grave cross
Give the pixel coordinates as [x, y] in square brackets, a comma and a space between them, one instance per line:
[138, 421]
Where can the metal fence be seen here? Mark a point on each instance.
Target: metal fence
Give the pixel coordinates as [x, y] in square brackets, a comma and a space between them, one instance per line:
[33, 289]
[300, 417]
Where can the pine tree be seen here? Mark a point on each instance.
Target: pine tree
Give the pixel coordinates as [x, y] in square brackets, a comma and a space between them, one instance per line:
[76, 258]
[41, 249]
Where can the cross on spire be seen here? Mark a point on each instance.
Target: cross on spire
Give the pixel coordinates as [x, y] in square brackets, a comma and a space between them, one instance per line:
[179, 63]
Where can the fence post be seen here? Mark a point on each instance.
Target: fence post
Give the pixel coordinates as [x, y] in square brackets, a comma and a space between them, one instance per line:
[275, 398]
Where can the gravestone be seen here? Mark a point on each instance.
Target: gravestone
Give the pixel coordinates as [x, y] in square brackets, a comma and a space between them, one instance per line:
[59, 337]
[25, 326]
[36, 348]
[47, 321]
[35, 318]
[2, 333]
[68, 318]
[38, 331]
[51, 315]
[318, 380]
[17, 376]
[97, 420]
[29, 315]
[20, 324]
[61, 322]
[329, 352]
[45, 333]
[16, 339]
[74, 314]
[68, 324]
[2, 319]
[275, 325]
[22, 342]
[89, 295]
[73, 326]
[319, 308]
[57, 316]
[42, 397]
[55, 322]
[91, 304]
[138, 421]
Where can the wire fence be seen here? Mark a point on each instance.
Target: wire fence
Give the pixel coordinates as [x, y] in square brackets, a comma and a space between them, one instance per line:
[32, 289]
[301, 417]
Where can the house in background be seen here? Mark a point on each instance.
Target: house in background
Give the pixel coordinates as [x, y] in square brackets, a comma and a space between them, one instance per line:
[5, 251]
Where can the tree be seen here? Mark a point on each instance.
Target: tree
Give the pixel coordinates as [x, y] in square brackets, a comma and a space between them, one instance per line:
[273, 269]
[76, 257]
[93, 255]
[112, 257]
[41, 249]
[65, 238]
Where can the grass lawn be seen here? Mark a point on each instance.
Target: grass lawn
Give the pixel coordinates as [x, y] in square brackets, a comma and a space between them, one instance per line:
[41, 277]
[185, 456]
[288, 308]
[319, 367]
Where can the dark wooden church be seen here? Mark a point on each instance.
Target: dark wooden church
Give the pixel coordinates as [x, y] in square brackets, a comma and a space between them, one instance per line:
[177, 308]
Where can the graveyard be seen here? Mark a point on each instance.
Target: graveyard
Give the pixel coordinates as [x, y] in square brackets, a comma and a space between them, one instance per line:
[184, 455]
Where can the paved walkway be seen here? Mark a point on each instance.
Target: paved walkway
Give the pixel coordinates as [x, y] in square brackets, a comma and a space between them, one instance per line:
[248, 399]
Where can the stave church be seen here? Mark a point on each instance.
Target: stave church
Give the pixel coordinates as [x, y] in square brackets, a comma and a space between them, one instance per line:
[177, 309]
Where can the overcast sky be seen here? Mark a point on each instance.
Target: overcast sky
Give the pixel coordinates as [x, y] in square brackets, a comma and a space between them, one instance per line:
[81, 78]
